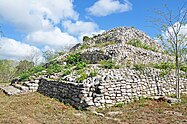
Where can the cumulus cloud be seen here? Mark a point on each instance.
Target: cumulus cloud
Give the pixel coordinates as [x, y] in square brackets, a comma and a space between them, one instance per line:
[53, 39]
[39, 20]
[80, 27]
[107, 7]
[169, 32]
[32, 15]
[12, 49]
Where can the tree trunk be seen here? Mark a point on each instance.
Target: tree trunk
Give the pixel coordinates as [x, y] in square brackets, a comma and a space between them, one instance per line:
[177, 72]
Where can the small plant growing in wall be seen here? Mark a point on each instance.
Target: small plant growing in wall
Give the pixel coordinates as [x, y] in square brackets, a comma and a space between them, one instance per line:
[108, 64]
[80, 65]
[85, 38]
[82, 76]
[93, 73]
[140, 67]
[73, 58]
[138, 43]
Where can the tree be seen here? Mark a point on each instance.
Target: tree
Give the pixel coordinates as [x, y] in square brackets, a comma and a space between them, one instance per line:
[23, 66]
[173, 37]
[49, 55]
[34, 57]
[7, 70]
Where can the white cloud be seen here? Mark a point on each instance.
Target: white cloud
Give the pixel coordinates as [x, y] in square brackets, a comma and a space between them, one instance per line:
[32, 15]
[53, 39]
[12, 49]
[80, 27]
[183, 30]
[91, 34]
[107, 7]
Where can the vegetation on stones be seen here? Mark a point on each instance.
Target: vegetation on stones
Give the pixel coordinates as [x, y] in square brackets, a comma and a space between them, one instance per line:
[139, 67]
[105, 44]
[164, 65]
[66, 72]
[138, 43]
[81, 77]
[54, 68]
[93, 73]
[108, 64]
[84, 46]
[73, 59]
[80, 65]
[86, 38]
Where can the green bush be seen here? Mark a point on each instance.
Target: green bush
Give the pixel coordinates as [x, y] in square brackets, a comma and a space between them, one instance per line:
[25, 75]
[73, 59]
[84, 46]
[164, 73]
[108, 64]
[37, 69]
[66, 72]
[54, 68]
[93, 73]
[138, 43]
[183, 68]
[80, 65]
[82, 76]
[164, 65]
[119, 104]
[105, 44]
[85, 38]
[139, 67]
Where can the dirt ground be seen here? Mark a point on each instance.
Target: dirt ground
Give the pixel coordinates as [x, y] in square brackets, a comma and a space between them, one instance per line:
[34, 108]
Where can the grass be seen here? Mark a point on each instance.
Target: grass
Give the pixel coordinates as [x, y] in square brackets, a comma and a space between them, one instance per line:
[38, 109]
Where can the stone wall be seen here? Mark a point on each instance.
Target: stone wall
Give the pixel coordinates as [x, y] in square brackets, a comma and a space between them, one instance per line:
[123, 53]
[111, 87]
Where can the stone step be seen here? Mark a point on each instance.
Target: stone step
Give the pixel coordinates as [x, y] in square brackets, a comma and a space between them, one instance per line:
[11, 90]
[21, 87]
[30, 84]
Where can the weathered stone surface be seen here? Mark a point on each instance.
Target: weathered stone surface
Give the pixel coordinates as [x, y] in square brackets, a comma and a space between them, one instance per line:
[10, 90]
[110, 85]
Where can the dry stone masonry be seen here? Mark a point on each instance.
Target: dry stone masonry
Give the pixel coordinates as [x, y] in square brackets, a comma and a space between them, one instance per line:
[111, 87]
[122, 35]
[123, 53]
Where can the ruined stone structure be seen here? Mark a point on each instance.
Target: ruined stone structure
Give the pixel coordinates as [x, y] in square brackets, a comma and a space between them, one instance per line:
[109, 86]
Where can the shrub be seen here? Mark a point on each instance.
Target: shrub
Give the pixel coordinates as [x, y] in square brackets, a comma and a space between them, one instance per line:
[108, 64]
[80, 65]
[25, 75]
[82, 76]
[37, 69]
[85, 38]
[84, 46]
[164, 73]
[164, 65]
[54, 68]
[73, 59]
[93, 73]
[138, 43]
[105, 44]
[139, 67]
[183, 68]
[119, 104]
[66, 72]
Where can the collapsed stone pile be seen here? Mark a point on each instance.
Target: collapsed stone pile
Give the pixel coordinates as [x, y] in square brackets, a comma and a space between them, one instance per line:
[123, 35]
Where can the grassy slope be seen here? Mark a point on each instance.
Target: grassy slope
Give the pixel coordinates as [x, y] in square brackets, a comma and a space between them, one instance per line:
[35, 108]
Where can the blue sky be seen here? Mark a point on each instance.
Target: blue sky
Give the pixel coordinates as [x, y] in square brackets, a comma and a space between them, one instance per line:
[34, 26]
